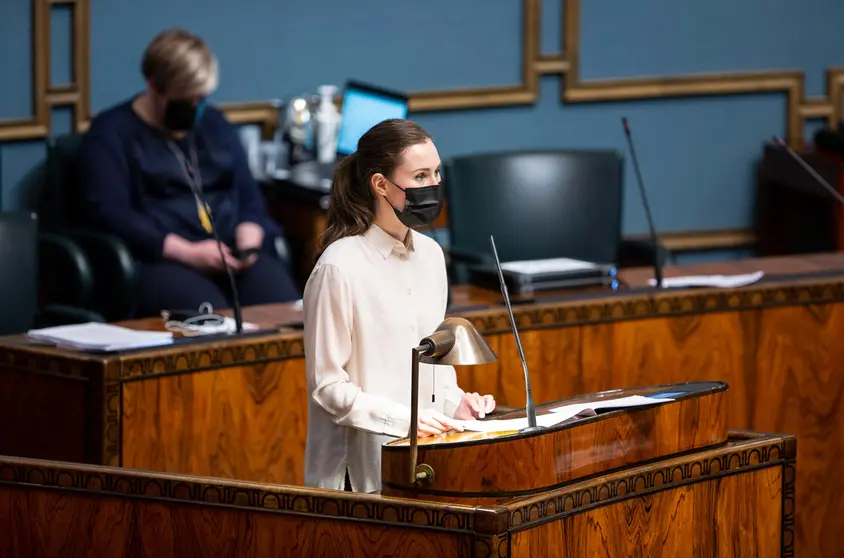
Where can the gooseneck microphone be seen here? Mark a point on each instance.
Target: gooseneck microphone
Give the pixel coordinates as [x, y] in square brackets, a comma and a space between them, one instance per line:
[644, 196]
[236, 308]
[812, 172]
[530, 409]
[191, 168]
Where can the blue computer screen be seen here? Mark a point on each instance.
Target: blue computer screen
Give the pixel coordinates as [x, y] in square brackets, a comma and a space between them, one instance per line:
[361, 111]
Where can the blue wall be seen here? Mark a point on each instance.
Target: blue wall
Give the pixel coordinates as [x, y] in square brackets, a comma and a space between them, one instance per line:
[697, 154]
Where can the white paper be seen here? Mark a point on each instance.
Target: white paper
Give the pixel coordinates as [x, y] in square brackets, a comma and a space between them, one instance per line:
[553, 265]
[630, 401]
[722, 281]
[102, 337]
[504, 425]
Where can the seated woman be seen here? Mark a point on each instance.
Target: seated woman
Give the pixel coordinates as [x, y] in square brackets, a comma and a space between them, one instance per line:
[160, 169]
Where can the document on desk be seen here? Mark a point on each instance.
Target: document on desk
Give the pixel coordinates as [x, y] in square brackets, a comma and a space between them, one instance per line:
[721, 281]
[506, 425]
[621, 402]
[95, 336]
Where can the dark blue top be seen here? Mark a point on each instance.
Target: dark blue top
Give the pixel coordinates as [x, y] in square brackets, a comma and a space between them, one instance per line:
[133, 184]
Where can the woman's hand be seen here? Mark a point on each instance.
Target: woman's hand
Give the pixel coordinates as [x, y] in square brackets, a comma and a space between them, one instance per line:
[474, 406]
[433, 423]
[248, 235]
[203, 255]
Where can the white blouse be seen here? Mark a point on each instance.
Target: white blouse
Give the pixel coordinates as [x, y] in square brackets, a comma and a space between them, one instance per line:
[369, 300]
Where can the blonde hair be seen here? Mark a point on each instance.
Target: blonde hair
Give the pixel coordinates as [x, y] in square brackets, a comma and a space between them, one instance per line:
[178, 62]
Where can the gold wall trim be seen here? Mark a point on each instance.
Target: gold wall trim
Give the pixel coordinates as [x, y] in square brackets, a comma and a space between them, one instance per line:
[691, 241]
[566, 64]
[46, 96]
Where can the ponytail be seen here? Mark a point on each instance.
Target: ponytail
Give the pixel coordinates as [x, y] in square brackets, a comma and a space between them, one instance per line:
[352, 209]
[380, 149]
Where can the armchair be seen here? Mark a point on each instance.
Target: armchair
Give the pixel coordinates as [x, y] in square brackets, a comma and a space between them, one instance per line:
[45, 267]
[540, 204]
[113, 266]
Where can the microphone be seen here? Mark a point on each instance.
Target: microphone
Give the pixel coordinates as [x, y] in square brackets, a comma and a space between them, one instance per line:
[812, 172]
[644, 196]
[529, 407]
[191, 168]
[236, 308]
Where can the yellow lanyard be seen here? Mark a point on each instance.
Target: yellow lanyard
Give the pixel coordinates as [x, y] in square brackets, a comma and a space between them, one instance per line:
[191, 169]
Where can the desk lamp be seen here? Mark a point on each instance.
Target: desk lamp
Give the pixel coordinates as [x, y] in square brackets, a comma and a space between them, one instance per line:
[455, 342]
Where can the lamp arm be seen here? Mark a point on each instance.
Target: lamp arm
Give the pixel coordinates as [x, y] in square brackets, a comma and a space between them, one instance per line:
[414, 408]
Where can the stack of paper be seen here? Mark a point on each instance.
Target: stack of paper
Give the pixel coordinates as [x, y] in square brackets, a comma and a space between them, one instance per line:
[621, 402]
[559, 414]
[94, 336]
[506, 425]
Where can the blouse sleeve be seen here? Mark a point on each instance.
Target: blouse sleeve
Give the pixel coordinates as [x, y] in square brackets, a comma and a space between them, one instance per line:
[328, 346]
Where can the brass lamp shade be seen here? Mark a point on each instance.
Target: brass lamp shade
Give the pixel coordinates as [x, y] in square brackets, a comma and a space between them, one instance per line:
[455, 342]
[458, 343]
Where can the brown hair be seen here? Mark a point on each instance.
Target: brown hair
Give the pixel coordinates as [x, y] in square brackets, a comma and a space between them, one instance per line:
[177, 61]
[352, 209]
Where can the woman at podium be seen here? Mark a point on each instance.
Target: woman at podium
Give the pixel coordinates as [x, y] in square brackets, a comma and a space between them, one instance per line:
[377, 289]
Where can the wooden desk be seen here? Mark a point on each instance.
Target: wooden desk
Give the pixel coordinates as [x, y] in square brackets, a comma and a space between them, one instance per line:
[735, 500]
[237, 408]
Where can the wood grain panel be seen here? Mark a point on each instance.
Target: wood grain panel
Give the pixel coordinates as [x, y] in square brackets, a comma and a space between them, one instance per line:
[783, 366]
[513, 464]
[727, 517]
[69, 525]
[247, 423]
[42, 415]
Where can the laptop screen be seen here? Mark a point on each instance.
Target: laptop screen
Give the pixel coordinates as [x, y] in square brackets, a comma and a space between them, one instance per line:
[364, 107]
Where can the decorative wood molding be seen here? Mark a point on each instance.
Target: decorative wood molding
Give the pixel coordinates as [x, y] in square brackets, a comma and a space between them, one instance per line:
[566, 64]
[491, 527]
[753, 452]
[639, 306]
[46, 96]
[280, 499]
[690, 241]
[534, 64]
[573, 90]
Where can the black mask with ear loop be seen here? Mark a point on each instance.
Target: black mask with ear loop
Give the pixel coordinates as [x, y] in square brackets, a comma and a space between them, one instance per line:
[422, 205]
[180, 115]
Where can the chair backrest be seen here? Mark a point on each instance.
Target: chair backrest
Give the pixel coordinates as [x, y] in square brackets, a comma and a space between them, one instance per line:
[58, 201]
[538, 204]
[19, 278]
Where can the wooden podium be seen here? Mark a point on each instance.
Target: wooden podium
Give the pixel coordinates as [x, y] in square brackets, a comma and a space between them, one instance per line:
[657, 477]
[666, 479]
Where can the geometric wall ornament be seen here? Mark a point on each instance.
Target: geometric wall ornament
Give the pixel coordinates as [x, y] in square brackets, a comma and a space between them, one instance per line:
[45, 95]
[565, 63]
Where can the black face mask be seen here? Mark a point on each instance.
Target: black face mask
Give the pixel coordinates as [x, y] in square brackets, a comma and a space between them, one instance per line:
[421, 205]
[181, 114]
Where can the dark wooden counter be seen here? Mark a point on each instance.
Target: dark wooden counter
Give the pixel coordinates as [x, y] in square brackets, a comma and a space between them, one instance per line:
[237, 408]
[736, 500]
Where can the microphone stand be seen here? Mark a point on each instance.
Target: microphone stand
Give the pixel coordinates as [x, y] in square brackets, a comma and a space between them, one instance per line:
[644, 196]
[236, 309]
[195, 183]
[529, 406]
[812, 172]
